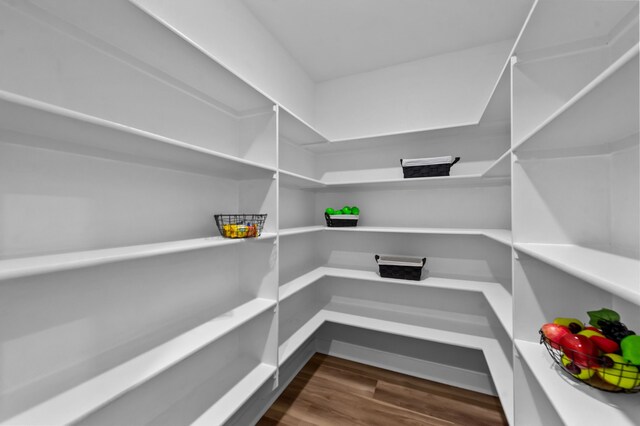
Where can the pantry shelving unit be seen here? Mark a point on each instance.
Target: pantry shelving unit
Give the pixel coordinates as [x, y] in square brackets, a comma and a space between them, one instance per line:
[120, 292]
[127, 307]
[575, 173]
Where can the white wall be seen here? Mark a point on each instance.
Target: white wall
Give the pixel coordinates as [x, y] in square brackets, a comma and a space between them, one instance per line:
[441, 91]
[228, 32]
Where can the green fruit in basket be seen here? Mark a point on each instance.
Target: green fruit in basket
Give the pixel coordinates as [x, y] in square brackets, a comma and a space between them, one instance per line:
[330, 211]
[630, 346]
[346, 210]
[355, 210]
[621, 374]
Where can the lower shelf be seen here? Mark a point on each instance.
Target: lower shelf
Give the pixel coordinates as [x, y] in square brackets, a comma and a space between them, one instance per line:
[226, 406]
[499, 364]
[616, 274]
[575, 403]
[94, 394]
[498, 298]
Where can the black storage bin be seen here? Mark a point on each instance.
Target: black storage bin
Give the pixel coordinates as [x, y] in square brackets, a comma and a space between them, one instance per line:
[401, 267]
[428, 171]
[342, 220]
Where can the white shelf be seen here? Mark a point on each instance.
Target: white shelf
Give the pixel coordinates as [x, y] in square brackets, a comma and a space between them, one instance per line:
[80, 401]
[49, 126]
[577, 404]
[301, 230]
[499, 168]
[228, 404]
[294, 180]
[502, 236]
[291, 345]
[604, 111]
[296, 130]
[412, 183]
[300, 283]
[616, 274]
[36, 265]
[498, 298]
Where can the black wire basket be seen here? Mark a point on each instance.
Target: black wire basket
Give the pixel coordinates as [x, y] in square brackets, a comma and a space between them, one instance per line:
[240, 225]
[600, 372]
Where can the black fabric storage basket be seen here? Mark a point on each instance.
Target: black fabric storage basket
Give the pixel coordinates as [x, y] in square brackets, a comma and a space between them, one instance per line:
[428, 171]
[334, 222]
[401, 272]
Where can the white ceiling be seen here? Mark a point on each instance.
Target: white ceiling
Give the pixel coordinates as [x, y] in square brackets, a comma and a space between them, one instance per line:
[334, 38]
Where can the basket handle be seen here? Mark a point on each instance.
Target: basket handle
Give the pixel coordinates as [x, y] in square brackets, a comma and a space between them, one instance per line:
[424, 261]
[377, 257]
[455, 160]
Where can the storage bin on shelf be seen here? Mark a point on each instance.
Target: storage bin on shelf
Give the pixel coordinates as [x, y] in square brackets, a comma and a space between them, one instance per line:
[401, 267]
[240, 225]
[427, 167]
[341, 220]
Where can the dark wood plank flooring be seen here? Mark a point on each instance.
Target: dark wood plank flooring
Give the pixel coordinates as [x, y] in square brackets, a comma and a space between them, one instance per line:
[333, 391]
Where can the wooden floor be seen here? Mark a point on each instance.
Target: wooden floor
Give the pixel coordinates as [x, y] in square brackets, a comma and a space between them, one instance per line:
[333, 391]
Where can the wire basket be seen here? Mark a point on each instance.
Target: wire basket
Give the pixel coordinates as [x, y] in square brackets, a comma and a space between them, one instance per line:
[240, 225]
[600, 372]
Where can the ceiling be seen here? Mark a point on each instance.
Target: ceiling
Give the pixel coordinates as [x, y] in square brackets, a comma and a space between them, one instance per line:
[335, 38]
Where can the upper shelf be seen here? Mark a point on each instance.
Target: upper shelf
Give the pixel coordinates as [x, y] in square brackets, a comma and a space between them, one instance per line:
[616, 274]
[298, 131]
[28, 266]
[35, 123]
[605, 111]
[294, 180]
[546, 33]
[440, 181]
[499, 168]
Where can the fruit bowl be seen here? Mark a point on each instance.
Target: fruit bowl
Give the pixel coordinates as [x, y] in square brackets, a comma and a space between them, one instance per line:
[610, 372]
[240, 225]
